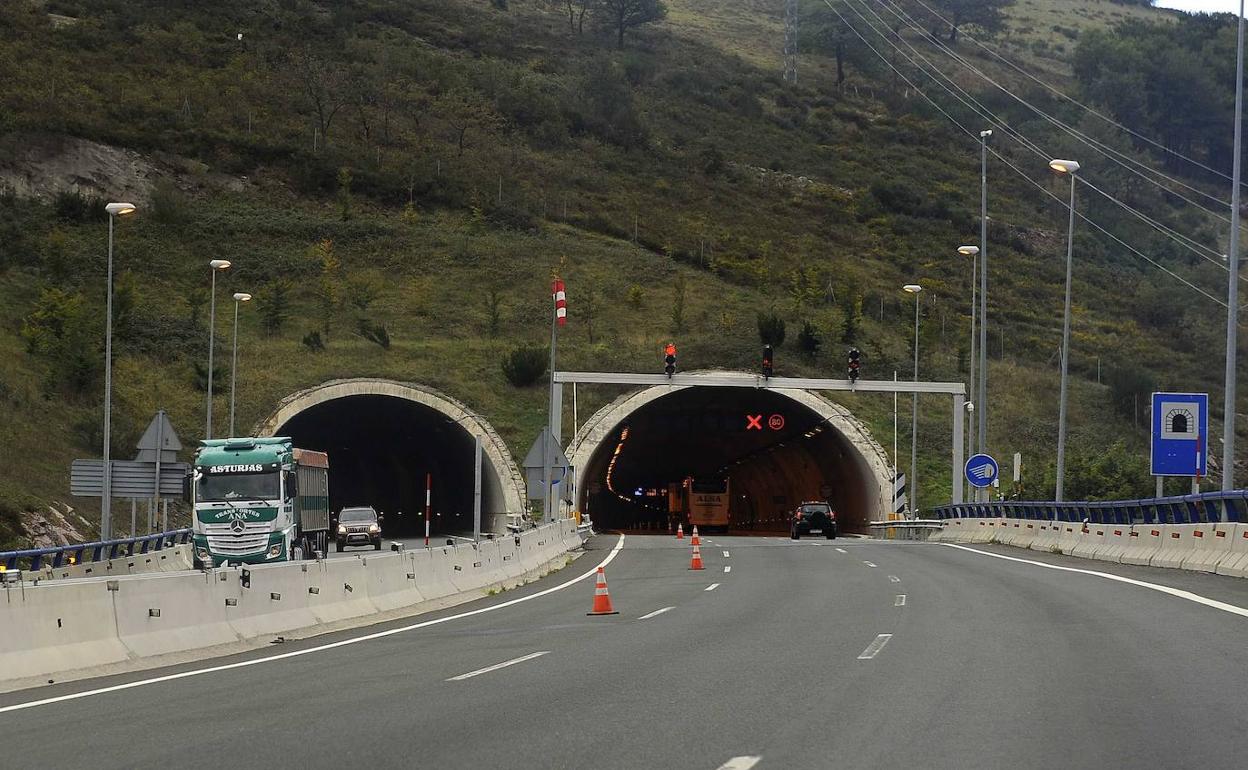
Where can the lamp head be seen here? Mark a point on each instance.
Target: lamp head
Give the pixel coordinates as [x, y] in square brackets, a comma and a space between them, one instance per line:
[119, 209]
[1064, 166]
[219, 264]
[242, 296]
[912, 288]
[985, 133]
[968, 251]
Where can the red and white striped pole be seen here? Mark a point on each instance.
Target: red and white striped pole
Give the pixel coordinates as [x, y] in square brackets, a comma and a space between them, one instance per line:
[428, 504]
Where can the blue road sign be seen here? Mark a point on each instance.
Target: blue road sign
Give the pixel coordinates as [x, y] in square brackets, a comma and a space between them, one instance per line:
[981, 471]
[1180, 434]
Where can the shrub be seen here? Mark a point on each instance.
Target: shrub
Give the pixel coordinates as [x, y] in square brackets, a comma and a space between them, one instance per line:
[313, 342]
[376, 333]
[169, 204]
[73, 206]
[771, 329]
[808, 340]
[524, 366]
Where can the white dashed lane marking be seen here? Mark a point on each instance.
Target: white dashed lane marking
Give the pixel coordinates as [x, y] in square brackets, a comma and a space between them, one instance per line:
[711, 587]
[726, 554]
[655, 613]
[869, 563]
[727, 570]
[874, 648]
[497, 666]
[894, 579]
[739, 763]
[900, 601]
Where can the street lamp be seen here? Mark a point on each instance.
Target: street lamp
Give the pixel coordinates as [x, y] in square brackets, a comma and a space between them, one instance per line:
[106, 501]
[1065, 167]
[217, 265]
[973, 253]
[982, 397]
[239, 298]
[914, 288]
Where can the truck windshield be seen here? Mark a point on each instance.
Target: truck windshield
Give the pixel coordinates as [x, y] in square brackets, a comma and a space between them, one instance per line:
[238, 486]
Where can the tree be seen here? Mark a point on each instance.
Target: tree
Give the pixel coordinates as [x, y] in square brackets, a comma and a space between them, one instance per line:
[678, 305]
[577, 9]
[985, 14]
[771, 329]
[524, 366]
[273, 306]
[624, 15]
[344, 192]
[588, 309]
[808, 340]
[323, 85]
[493, 310]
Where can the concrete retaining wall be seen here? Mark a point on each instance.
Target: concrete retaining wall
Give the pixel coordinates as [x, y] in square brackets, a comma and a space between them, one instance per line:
[97, 622]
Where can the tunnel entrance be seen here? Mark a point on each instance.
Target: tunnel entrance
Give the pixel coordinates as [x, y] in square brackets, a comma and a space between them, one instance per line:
[768, 450]
[382, 439]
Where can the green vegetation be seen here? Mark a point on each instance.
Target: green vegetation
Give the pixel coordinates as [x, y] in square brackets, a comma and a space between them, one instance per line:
[396, 181]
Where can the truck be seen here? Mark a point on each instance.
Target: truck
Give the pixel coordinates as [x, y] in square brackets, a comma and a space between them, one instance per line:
[258, 501]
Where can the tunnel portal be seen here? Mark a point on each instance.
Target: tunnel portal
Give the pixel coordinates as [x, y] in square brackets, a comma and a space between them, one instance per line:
[383, 438]
[773, 449]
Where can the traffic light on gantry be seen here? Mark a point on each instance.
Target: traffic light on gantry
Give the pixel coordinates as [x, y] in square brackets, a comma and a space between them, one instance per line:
[768, 361]
[855, 364]
[669, 359]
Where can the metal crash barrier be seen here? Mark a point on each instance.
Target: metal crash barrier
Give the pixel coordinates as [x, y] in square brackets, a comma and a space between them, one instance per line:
[36, 559]
[1204, 508]
[913, 529]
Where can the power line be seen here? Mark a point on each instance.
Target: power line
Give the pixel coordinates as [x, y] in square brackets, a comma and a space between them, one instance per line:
[1122, 159]
[1054, 90]
[984, 112]
[1025, 176]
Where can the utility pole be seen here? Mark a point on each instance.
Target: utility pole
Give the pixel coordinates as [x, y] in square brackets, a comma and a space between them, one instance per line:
[1232, 264]
[790, 41]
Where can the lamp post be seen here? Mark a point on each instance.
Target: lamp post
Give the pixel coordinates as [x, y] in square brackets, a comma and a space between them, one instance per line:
[1232, 264]
[1065, 167]
[914, 288]
[106, 501]
[981, 398]
[216, 265]
[239, 298]
[973, 253]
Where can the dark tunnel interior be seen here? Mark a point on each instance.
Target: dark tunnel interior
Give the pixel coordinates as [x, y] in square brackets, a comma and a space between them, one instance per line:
[380, 449]
[772, 451]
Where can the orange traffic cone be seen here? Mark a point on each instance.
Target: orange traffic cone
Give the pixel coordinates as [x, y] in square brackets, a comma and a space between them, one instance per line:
[602, 599]
[680, 531]
[696, 540]
[697, 557]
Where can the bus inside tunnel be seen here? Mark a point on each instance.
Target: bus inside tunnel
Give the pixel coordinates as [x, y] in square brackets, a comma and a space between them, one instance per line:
[380, 449]
[767, 451]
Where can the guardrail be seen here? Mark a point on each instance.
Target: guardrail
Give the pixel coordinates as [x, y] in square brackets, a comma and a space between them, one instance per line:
[37, 558]
[905, 529]
[1204, 508]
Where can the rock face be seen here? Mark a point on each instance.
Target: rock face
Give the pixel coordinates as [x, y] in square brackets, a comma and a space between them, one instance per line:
[52, 527]
[41, 167]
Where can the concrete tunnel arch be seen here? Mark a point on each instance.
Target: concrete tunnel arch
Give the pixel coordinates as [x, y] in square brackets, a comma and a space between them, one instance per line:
[845, 456]
[399, 415]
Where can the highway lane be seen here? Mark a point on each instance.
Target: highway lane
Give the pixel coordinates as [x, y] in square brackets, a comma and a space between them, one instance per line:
[988, 663]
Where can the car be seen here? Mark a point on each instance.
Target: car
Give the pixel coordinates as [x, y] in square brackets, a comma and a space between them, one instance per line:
[359, 525]
[813, 517]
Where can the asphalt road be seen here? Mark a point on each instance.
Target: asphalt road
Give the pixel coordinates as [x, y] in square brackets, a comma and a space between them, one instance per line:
[991, 663]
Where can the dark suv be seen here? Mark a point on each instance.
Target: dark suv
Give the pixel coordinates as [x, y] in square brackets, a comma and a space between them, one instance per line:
[813, 517]
[359, 526]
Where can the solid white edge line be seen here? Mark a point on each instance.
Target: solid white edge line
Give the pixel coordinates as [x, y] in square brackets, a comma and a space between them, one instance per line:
[739, 763]
[320, 648]
[1176, 592]
[727, 569]
[875, 647]
[649, 615]
[900, 601]
[711, 587]
[497, 666]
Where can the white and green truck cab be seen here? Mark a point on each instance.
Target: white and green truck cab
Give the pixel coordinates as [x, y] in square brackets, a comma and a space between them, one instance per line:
[257, 501]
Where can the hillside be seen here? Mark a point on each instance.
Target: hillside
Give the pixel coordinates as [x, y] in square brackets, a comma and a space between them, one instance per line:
[424, 166]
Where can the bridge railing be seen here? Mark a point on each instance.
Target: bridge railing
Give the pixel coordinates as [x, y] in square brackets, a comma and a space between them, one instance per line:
[37, 558]
[1204, 508]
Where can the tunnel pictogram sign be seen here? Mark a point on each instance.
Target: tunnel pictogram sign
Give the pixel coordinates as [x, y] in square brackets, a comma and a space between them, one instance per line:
[1180, 434]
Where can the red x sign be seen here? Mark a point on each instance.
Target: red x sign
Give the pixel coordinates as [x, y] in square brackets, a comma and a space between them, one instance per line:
[753, 422]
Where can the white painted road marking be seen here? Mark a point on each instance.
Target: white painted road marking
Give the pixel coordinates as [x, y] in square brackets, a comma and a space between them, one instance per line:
[739, 763]
[727, 569]
[726, 554]
[711, 587]
[874, 648]
[869, 563]
[1188, 595]
[894, 579]
[320, 648]
[900, 601]
[656, 612]
[497, 666]
[841, 550]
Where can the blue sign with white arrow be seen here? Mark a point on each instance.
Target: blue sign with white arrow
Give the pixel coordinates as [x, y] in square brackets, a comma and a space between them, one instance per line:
[1180, 434]
[981, 471]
